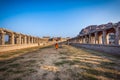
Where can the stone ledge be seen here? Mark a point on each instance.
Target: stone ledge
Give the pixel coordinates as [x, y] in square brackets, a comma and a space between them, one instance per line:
[111, 49]
[4, 48]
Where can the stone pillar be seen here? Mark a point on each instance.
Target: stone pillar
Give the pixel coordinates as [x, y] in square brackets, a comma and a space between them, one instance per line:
[12, 39]
[2, 40]
[19, 38]
[82, 39]
[38, 40]
[117, 36]
[104, 41]
[92, 39]
[25, 40]
[89, 38]
[85, 39]
[22, 40]
[96, 38]
[79, 40]
[31, 39]
[76, 40]
[34, 40]
[100, 39]
[28, 39]
[107, 38]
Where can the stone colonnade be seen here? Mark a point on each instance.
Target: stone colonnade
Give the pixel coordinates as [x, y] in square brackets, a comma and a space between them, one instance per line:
[101, 36]
[16, 38]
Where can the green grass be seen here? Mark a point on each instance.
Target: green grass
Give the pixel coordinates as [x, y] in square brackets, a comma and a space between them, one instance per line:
[61, 62]
[62, 52]
[32, 70]
[14, 65]
[93, 71]
[20, 51]
[9, 54]
[76, 61]
[63, 58]
[14, 52]
[64, 62]
[109, 63]
[32, 61]
[4, 56]
[76, 75]
[89, 77]
[17, 71]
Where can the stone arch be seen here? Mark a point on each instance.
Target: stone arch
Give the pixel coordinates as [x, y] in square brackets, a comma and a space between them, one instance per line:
[100, 38]
[87, 39]
[6, 39]
[9, 37]
[2, 37]
[110, 36]
[93, 38]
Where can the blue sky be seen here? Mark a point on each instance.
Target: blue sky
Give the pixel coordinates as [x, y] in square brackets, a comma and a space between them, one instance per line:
[63, 18]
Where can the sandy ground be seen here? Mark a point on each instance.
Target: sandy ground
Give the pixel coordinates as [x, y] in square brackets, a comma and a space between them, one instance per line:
[66, 63]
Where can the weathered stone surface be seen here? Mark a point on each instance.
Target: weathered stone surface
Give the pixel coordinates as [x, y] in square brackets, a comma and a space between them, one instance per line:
[105, 38]
[111, 49]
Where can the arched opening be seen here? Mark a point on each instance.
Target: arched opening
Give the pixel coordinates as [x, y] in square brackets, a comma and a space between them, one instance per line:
[2, 39]
[15, 38]
[111, 36]
[100, 38]
[93, 38]
[6, 39]
[87, 39]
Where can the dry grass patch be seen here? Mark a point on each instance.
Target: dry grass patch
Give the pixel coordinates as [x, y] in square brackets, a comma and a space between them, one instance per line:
[66, 63]
[15, 53]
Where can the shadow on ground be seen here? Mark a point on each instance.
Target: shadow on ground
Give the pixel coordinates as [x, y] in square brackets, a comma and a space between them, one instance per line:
[66, 63]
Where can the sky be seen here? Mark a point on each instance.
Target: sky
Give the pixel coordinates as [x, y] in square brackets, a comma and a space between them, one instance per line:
[56, 18]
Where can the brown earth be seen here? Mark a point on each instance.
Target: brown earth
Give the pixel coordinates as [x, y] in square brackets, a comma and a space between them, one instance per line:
[66, 63]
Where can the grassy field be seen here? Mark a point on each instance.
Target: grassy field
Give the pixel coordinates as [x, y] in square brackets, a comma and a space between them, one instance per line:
[15, 53]
[66, 63]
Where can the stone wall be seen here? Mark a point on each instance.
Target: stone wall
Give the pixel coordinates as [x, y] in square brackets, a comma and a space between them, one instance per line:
[4, 48]
[111, 49]
[108, 34]
[19, 40]
[104, 38]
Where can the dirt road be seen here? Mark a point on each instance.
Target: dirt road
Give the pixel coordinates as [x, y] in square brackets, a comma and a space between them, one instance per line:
[66, 63]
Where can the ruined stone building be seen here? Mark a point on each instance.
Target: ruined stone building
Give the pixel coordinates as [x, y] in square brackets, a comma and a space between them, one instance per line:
[105, 38]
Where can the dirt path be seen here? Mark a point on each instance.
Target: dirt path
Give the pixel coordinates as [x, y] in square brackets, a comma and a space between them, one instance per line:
[66, 63]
